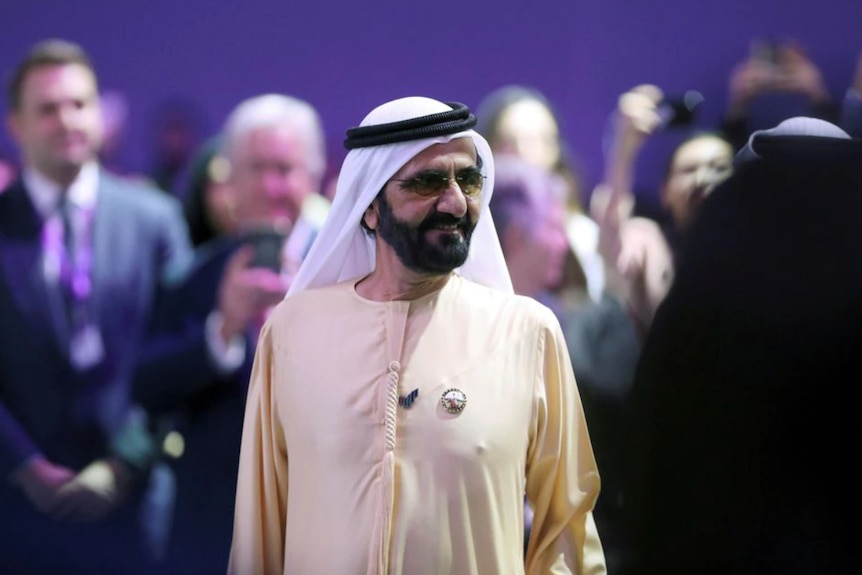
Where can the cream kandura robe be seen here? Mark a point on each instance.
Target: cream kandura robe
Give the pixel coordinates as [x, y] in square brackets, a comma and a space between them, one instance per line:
[336, 479]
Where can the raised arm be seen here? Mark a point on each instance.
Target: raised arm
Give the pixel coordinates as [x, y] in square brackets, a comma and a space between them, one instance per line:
[637, 258]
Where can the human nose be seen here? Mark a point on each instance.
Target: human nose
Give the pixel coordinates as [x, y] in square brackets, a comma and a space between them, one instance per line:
[274, 183]
[704, 176]
[452, 200]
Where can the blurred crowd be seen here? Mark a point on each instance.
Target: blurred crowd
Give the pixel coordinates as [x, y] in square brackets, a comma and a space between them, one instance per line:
[130, 305]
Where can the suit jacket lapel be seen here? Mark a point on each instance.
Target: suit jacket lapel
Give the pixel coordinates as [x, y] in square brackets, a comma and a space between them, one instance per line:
[21, 257]
[105, 221]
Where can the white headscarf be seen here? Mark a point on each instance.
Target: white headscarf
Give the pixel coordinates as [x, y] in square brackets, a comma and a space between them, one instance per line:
[342, 250]
[796, 126]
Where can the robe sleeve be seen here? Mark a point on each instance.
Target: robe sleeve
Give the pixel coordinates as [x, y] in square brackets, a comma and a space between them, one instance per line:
[562, 478]
[261, 496]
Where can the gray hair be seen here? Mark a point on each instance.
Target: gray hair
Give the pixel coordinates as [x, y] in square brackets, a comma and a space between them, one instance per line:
[271, 111]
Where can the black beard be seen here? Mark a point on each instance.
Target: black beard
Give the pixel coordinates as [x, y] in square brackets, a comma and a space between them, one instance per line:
[412, 247]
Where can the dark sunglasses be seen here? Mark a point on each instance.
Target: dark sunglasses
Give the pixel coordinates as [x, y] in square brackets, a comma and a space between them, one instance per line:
[434, 183]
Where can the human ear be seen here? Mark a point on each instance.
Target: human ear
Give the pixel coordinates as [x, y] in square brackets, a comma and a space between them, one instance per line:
[371, 219]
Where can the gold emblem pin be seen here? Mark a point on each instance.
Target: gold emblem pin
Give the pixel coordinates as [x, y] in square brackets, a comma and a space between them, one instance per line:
[453, 401]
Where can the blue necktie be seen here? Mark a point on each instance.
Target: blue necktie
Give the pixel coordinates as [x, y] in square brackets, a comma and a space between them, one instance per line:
[67, 268]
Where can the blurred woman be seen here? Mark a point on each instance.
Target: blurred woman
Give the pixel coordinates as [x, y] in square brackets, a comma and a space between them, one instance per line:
[208, 203]
[520, 121]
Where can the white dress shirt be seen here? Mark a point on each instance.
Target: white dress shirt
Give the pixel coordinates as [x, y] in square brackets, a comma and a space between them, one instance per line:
[82, 194]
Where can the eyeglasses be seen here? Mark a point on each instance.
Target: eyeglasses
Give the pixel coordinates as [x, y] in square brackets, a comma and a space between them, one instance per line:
[434, 183]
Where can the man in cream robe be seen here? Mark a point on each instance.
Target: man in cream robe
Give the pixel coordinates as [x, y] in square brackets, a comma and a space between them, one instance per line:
[403, 400]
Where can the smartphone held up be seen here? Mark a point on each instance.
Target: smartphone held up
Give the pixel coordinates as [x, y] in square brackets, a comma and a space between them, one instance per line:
[679, 111]
[267, 243]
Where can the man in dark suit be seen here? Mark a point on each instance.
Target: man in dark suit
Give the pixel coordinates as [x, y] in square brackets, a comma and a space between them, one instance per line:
[199, 367]
[745, 428]
[82, 254]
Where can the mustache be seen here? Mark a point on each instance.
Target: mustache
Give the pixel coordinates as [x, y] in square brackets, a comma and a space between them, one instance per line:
[438, 219]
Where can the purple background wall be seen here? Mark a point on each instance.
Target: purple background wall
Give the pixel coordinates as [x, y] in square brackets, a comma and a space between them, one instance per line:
[348, 56]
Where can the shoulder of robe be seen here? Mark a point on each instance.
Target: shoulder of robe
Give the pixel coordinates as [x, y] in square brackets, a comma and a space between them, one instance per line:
[518, 308]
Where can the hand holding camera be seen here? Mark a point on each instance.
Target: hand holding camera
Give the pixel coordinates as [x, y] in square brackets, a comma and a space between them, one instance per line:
[774, 66]
[636, 117]
[798, 74]
[251, 285]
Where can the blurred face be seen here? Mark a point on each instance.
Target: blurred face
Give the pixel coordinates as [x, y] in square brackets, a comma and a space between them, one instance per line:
[270, 177]
[428, 210]
[528, 130]
[535, 247]
[698, 166]
[58, 124]
[545, 247]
